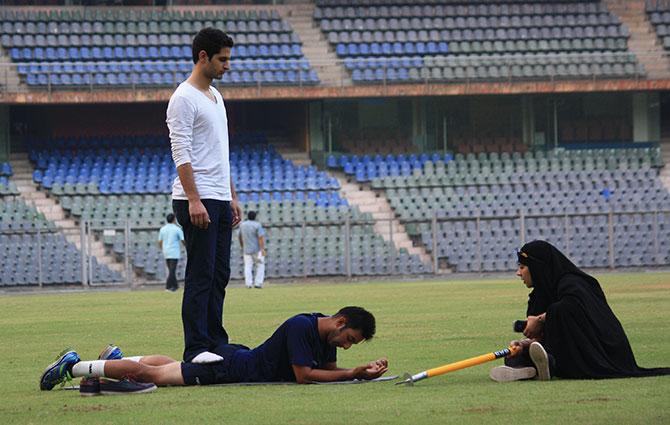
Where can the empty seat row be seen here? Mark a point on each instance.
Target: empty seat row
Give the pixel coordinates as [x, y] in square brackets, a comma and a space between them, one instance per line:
[513, 34]
[154, 66]
[127, 79]
[151, 27]
[495, 72]
[441, 61]
[121, 39]
[93, 14]
[365, 9]
[27, 54]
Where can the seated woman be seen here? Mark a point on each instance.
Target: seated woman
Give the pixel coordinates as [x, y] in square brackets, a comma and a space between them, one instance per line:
[571, 330]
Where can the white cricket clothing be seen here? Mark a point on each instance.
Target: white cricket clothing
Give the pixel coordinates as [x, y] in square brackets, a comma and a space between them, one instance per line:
[251, 260]
[199, 135]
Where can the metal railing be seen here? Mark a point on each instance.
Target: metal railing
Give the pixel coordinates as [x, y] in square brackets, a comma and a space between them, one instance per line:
[562, 230]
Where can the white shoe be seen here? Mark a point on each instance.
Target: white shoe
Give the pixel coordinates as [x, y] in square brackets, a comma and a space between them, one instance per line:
[206, 357]
[508, 374]
[541, 361]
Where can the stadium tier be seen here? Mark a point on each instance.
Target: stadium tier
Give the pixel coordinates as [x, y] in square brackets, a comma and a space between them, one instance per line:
[658, 12]
[90, 166]
[26, 235]
[587, 182]
[98, 180]
[390, 41]
[126, 47]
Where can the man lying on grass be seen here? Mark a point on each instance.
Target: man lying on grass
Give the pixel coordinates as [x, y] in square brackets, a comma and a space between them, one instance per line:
[302, 350]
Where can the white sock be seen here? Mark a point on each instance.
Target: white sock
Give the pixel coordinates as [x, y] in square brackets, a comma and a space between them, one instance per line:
[206, 357]
[92, 369]
[134, 358]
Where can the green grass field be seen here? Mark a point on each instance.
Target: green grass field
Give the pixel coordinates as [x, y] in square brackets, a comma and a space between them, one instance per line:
[420, 325]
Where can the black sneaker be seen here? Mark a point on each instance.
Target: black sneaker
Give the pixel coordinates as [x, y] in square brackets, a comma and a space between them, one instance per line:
[126, 386]
[89, 387]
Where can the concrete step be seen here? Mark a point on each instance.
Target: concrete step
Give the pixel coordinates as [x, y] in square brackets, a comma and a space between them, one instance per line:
[53, 211]
[386, 223]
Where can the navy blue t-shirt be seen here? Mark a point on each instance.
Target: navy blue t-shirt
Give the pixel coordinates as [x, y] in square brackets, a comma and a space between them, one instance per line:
[295, 342]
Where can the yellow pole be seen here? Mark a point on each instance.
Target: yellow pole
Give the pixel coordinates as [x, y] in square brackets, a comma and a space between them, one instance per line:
[473, 361]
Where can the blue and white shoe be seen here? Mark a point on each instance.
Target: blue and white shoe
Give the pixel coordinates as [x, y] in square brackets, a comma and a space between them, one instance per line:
[111, 352]
[59, 371]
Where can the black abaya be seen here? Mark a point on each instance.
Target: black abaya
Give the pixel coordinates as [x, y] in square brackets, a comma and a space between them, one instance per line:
[581, 332]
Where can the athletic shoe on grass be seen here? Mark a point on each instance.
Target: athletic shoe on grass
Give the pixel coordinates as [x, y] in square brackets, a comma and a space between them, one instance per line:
[541, 361]
[507, 374]
[59, 371]
[89, 387]
[125, 386]
[111, 352]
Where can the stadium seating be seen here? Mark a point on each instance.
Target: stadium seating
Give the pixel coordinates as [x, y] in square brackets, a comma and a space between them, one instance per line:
[129, 47]
[588, 182]
[658, 12]
[97, 179]
[7, 187]
[389, 41]
[27, 239]
[365, 168]
[96, 168]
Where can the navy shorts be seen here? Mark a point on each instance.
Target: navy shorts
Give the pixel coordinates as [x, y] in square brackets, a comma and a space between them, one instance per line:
[223, 372]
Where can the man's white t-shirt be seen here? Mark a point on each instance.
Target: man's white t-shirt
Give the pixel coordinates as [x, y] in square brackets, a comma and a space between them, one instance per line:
[199, 135]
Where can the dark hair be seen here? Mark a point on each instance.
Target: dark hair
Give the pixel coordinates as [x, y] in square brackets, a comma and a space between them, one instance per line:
[251, 215]
[211, 40]
[358, 318]
[170, 218]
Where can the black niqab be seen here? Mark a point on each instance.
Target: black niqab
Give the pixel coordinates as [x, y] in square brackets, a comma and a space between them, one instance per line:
[580, 331]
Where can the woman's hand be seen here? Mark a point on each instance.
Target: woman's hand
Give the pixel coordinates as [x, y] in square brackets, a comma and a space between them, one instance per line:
[535, 327]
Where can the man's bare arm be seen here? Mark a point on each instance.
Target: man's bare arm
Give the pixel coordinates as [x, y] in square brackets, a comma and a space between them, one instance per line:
[372, 370]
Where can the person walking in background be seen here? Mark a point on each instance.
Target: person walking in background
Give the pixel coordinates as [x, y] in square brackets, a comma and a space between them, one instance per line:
[169, 238]
[252, 241]
[203, 195]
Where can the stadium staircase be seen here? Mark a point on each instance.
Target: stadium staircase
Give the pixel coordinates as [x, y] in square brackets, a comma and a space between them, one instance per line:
[52, 210]
[298, 156]
[367, 201]
[315, 47]
[643, 41]
[9, 78]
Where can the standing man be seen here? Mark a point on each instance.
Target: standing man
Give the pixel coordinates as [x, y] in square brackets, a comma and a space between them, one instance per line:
[252, 241]
[203, 195]
[169, 239]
